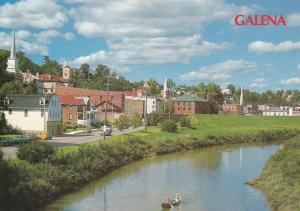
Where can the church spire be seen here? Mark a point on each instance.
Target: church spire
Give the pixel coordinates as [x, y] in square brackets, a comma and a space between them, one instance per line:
[12, 62]
[241, 97]
[13, 48]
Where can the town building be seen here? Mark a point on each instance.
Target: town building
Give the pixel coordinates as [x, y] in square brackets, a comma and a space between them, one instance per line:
[35, 113]
[276, 111]
[12, 62]
[139, 105]
[77, 110]
[233, 109]
[108, 105]
[47, 83]
[134, 105]
[67, 72]
[189, 104]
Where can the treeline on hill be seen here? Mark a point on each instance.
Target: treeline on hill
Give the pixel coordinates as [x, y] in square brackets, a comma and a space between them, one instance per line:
[268, 97]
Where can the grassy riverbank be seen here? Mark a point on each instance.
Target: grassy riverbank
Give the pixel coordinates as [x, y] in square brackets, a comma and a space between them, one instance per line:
[27, 186]
[280, 179]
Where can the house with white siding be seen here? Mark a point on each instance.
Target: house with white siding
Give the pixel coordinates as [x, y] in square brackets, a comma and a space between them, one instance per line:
[35, 113]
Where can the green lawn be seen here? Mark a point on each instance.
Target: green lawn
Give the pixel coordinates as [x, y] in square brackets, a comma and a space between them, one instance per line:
[204, 125]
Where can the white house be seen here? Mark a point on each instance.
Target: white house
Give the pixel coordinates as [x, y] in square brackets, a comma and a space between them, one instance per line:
[35, 113]
[276, 111]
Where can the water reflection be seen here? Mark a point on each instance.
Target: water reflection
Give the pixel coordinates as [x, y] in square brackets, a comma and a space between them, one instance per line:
[209, 179]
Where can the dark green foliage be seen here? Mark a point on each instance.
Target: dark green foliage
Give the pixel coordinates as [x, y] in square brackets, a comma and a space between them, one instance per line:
[185, 122]
[280, 179]
[122, 123]
[136, 120]
[1, 154]
[168, 126]
[35, 152]
[154, 119]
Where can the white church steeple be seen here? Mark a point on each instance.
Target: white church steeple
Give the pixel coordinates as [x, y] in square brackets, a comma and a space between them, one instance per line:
[12, 62]
[241, 97]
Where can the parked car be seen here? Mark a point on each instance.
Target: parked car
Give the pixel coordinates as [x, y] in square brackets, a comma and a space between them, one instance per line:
[107, 130]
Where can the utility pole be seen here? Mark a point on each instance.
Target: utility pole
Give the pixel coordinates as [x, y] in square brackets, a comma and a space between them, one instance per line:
[107, 92]
[146, 116]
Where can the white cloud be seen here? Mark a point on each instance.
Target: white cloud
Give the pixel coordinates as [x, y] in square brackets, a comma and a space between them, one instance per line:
[125, 18]
[22, 44]
[290, 81]
[258, 83]
[69, 36]
[298, 66]
[158, 50]
[46, 14]
[220, 71]
[46, 36]
[267, 47]
[151, 32]
[293, 19]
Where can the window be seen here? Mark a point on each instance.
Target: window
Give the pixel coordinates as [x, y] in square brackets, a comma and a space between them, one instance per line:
[190, 103]
[70, 116]
[42, 113]
[184, 103]
[26, 112]
[10, 111]
[190, 108]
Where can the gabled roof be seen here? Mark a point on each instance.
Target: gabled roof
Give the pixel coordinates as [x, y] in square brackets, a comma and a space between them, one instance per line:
[69, 100]
[189, 98]
[51, 78]
[28, 101]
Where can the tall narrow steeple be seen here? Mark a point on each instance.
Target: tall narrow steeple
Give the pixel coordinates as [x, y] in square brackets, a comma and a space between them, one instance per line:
[12, 62]
[13, 48]
[241, 97]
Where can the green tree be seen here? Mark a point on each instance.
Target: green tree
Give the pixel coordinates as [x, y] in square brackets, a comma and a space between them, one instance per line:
[167, 107]
[123, 122]
[213, 93]
[136, 120]
[51, 67]
[168, 126]
[153, 87]
[231, 87]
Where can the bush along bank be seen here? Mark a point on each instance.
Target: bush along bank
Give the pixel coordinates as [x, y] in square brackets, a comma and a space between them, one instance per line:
[27, 186]
[280, 179]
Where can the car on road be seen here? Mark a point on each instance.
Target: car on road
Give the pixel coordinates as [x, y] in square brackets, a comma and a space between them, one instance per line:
[107, 130]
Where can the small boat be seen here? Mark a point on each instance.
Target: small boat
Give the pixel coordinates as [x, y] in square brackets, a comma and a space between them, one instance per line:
[172, 202]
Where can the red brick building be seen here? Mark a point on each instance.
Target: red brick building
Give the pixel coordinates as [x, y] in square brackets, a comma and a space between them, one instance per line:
[233, 109]
[115, 101]
[76, 110]
[188, 104]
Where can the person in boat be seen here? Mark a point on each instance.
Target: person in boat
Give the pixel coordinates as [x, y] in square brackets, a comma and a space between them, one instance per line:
[168, 201]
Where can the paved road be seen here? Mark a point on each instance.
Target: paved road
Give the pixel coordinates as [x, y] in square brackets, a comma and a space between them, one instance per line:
[10, 152]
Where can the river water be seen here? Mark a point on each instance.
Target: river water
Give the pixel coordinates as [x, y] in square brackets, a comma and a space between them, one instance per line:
[210, 179]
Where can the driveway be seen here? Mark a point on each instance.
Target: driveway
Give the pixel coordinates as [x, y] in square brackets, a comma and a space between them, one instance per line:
[11, 151]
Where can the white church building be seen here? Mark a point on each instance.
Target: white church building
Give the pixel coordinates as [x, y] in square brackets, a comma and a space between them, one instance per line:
[12, 62]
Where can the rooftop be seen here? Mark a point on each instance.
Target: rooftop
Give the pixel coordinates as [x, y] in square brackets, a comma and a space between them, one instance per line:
[190, 98]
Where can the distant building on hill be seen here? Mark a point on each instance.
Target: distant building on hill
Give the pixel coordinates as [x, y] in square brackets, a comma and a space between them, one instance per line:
[67, 72]
[34, 113]
[276, 111]
[12, 62]
[189, 104]
[47, 83]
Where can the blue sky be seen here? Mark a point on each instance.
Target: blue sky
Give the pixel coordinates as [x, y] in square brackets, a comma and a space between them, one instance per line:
[188, 41]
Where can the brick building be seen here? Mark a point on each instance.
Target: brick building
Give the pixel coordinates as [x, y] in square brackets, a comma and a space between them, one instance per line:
[76, 110]
[233, 109]
[114, 102]
[188, 104]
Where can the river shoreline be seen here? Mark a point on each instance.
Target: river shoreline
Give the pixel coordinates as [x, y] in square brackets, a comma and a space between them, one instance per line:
[280, 178]
[42, 183]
